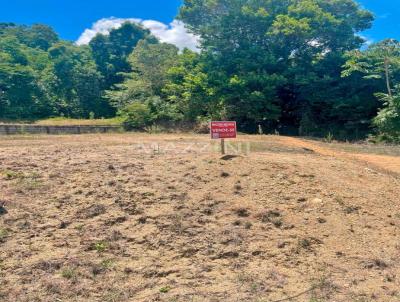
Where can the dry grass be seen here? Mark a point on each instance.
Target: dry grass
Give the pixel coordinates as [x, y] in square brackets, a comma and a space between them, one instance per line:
[367, 148]
[104, 218]
[59, 121]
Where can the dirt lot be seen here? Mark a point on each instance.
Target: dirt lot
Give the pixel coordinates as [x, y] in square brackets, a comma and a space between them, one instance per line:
[131, 217]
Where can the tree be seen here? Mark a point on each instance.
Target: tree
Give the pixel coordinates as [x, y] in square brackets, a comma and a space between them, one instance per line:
[36, 36]
[152, 61]
[136, 116]
[388, 119]
[133, 89]
[263, 56]
[380, 65]
[187, 87]
[295, 66]
[111, 51]
[77, 82]
[41, 36]
[379, 61]
[21, 95]
[150, 64]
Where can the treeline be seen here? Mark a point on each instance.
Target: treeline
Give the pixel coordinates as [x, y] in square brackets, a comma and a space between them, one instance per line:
[292, 66]
[43, 76]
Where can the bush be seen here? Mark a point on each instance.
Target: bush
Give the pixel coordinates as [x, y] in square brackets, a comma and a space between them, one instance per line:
[384, 138]
[388, 118]
[163, 111]
[307, 125]
[202, 125]
[136, 116]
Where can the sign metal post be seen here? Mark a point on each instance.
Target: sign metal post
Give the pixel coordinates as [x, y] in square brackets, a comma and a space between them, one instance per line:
[223, 130]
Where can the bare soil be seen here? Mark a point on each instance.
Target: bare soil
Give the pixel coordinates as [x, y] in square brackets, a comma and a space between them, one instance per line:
[135, 217]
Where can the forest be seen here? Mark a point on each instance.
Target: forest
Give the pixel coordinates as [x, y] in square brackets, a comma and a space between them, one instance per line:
[297, 67]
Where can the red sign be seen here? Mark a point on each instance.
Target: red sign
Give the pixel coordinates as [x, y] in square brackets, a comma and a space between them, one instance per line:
[223, 130]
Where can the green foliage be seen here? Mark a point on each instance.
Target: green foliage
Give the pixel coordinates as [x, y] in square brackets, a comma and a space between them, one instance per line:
[111, 51]
[380, 65]
[388, 118]
[39, 36]
[268, 70]
[21, 93]
[163, 111]
[63, 121]
[165, 289]
[141, 98]
[379, 61]
[187, 87]
[152, 61]
[133, 89]
[42, 77]
[100, 247]
[76, 83]
[287, 66]
[136, 116]
[329, 138]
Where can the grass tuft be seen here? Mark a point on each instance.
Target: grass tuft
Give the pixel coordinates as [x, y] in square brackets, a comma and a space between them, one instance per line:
[69, 273]
[165, 289]
[101, 246]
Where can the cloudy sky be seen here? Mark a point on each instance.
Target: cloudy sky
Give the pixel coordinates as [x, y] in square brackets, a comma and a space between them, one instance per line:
[174, 33]
[80, 20]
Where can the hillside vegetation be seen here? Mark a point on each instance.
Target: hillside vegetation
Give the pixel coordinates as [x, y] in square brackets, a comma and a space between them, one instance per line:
[293, 67]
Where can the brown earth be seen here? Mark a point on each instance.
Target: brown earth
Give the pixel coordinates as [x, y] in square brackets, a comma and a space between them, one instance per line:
[384, 162]
[131, 217]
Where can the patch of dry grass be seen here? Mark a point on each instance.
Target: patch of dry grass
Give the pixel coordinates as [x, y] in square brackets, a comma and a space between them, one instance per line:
[59, 121]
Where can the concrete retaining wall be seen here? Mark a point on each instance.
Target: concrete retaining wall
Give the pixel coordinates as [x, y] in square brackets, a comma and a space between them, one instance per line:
[12, 129]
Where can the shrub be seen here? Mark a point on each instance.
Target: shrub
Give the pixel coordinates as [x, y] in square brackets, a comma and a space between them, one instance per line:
[136, 116]
[307, 125]
[163, 111]
[388, 119]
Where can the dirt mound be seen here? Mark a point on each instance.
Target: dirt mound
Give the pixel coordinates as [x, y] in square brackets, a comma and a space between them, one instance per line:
[92, 218]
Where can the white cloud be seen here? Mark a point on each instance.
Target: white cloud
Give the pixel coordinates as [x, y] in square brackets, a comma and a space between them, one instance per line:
[103, 26]
[174, 33]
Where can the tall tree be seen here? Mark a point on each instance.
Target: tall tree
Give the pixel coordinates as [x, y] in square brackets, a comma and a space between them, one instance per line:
[41, 36]
[111, 51]
[76, 84]
[21, 95]
[36, 36]
[380, 67]
[150, 63]
[188, 88]
[380, 61]
[263, 56]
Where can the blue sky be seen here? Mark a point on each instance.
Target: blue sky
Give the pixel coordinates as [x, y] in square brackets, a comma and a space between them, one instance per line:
[71, 17]
[387, 19]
